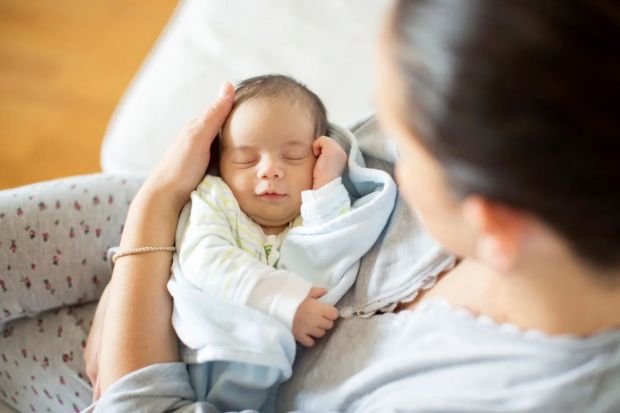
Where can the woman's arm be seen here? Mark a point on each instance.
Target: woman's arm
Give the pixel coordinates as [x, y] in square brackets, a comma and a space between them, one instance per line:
[137, 329]
[136, 326]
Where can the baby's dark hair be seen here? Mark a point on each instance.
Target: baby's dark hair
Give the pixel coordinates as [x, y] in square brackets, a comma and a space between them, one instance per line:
[274, 86]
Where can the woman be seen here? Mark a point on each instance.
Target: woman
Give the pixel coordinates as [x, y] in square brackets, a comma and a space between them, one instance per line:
[507, 131]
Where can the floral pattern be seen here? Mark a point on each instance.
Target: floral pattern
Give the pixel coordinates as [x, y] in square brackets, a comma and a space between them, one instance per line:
[41, 364]
[54, 238]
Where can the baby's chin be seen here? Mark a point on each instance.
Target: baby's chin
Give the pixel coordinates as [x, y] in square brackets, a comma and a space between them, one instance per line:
[267, 221]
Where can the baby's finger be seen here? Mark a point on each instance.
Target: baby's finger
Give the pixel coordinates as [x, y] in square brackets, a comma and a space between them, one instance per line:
[317, 332]
[307, 341]
[317, 292]
[316, 147]
[325, 324]
[330, 312]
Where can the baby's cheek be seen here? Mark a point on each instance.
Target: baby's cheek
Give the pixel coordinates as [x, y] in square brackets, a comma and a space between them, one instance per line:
[298, 203]
[241, 186]
[310, 171]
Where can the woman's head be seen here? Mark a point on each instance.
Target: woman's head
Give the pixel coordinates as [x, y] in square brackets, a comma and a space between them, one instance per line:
[513, 102]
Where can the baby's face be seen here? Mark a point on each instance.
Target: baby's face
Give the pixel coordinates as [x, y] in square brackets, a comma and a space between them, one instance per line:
[267, 159]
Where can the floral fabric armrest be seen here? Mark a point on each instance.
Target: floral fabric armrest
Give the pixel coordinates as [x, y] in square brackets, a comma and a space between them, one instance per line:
[54, 237]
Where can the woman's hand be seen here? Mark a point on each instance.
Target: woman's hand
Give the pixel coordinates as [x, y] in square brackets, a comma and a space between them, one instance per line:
[185, 163]
[176, 175]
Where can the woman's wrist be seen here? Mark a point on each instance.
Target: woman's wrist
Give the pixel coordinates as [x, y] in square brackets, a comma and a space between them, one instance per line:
[152, 218]
[159, 192]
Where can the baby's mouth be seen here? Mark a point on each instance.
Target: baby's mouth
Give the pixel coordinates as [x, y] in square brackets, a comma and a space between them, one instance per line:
[271, 195]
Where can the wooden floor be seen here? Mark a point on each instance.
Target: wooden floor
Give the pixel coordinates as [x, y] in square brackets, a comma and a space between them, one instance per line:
[64, 64]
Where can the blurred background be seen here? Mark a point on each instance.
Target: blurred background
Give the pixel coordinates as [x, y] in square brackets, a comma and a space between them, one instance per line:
[64, 65]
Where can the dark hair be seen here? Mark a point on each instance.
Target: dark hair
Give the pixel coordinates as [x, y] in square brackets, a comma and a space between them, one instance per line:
[276, 86]
[519, 102]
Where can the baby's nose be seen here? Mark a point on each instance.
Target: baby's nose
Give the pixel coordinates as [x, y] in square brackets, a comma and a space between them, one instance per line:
[270, 169]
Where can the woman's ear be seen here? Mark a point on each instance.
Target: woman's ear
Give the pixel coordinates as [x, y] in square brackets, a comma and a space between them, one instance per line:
[500, 231]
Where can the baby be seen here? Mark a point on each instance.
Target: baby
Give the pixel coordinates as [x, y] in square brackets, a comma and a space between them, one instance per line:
[279, 173]
[273, 148]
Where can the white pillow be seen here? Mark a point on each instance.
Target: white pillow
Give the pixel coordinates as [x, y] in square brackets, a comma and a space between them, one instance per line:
[328, 45]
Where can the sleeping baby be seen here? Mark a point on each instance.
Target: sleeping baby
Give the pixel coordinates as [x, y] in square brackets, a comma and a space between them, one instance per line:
[251, 240]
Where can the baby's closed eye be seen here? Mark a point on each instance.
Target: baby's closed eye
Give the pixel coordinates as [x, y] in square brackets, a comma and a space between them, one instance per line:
[244, 159]
[242, 155]
[297, 155]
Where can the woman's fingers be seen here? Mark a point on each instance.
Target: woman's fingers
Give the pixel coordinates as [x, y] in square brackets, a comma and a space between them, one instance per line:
[211, 121]
[96, 391]
[185, 163]
[93, 342]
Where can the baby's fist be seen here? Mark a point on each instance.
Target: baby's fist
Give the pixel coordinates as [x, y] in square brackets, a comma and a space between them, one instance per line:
[331, 161]
[313, 318]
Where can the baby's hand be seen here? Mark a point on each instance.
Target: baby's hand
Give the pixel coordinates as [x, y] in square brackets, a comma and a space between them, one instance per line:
[313, 318]
[330, 163]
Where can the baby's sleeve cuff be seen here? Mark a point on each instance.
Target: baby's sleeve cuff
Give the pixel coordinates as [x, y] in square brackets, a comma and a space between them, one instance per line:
[326, 203]
[287, 300]
[279, 294]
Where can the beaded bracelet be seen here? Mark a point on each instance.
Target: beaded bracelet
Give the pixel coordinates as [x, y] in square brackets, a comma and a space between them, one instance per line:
[141, 250]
